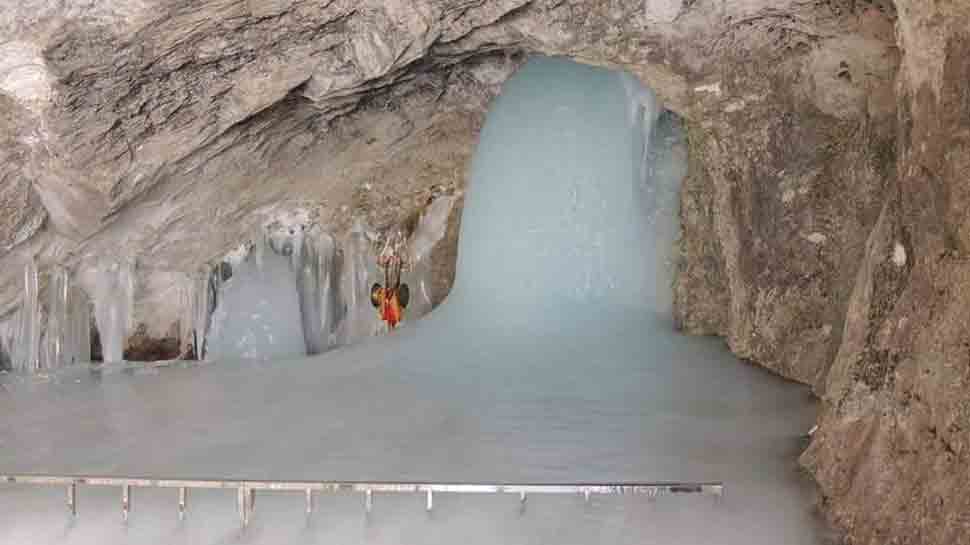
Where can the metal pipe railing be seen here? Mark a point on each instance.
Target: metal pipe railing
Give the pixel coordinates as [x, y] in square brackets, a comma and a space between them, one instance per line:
[246, 489]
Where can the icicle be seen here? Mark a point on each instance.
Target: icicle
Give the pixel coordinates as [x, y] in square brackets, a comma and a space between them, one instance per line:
[186, 327]
[79, 325]
[57, 349]
[114, 293]
[201, 309]
[328, 276]
[360, 319]
[259, 246]
[307, 273]
[215, 286]
[68, 335]
[8, 334]
[27, 345]
[314, 277]
[127, 281]
[296, 242]
[431, 227]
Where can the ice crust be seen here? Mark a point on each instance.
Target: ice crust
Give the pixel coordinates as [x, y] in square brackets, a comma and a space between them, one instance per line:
[553, 360]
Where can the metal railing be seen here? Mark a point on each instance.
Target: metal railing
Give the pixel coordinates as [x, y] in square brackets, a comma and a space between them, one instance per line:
[246, 489]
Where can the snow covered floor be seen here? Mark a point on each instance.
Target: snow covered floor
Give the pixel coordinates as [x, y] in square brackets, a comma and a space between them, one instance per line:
[590, 409]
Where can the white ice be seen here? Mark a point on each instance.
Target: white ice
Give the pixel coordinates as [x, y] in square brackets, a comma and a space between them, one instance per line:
[38, 339]
[26, 346]
[111, 285]
[67, 339]
[358, 272]
[316, 283]
[553, 360]
[258, 313]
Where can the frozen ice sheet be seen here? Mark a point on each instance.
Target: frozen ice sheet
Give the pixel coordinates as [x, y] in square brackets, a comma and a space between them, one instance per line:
[592, 408]
[551, 361]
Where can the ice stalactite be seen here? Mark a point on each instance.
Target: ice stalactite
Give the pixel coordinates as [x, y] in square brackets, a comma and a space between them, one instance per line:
[357, 275]
[297, 282]
[114, 292]
[258, 250]
[67, 339]
[316, 277]
[26, 346]
[58, 341]
[8, 332]
[39, 338]
[78, 329]
[199, 298]
[430, 229]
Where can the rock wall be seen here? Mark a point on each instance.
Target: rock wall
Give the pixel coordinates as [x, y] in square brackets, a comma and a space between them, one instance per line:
[825, 214]
[893, 453]
[827, 240]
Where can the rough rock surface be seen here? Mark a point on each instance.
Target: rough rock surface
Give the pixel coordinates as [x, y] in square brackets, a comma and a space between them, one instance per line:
[895, 431]
[825, 224]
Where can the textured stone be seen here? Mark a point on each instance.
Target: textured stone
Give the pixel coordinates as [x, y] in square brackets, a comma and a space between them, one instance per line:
[892, 451]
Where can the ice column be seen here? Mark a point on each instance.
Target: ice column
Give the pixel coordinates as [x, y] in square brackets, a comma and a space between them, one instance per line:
[79, 325]
[431, 227]
[8, 332]
[302, 275]
[200, 295]
[57, 349]
[114, 291]
[258, 315]
[316, 276]
[358, 274]
[430, 230]
[26, 354]
[68, 335]
[560, 225]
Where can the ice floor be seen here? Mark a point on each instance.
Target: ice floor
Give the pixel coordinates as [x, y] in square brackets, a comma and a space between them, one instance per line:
[550, 362]
[589, 410]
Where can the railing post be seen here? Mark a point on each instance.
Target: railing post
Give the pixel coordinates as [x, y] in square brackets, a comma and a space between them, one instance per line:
[242, 503]
[183, 502]
[72, 498]
[125, 501]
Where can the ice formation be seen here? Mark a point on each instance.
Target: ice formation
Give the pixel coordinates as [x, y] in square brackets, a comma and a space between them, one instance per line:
[113, 294]
[67, 340]
[42, 337]
[331, 278]
[56, 336]
[27, 346]
[293, 290]
[258, 313]
[316, 282]
[552, 360]
[201, 302]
